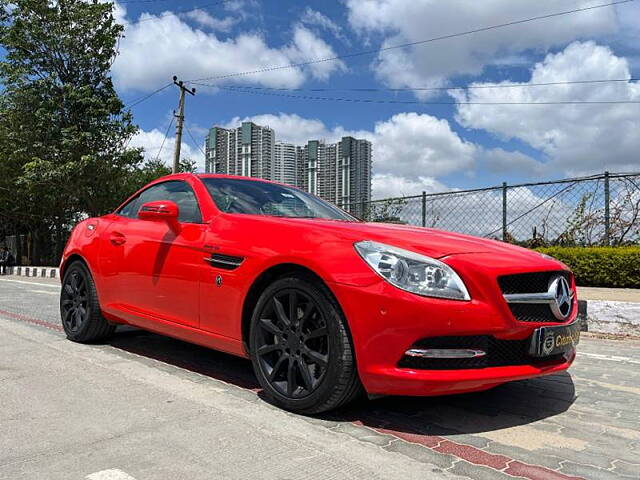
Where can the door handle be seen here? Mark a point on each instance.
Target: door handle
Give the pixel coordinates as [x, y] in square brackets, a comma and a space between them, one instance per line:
[117, 239]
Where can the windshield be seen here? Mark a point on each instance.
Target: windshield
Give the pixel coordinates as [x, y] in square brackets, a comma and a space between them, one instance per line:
[260, 198]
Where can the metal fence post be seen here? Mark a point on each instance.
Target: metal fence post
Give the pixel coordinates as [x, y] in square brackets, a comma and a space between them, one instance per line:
[504, 211]
[424, 209]
[607, 215]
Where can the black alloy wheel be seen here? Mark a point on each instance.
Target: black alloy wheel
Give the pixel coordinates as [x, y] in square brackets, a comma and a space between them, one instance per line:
[80, 312]
[73, 302]
[293, 343]
[300, 347]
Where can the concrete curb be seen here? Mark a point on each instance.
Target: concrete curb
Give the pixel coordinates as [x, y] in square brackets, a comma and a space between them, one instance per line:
[41, 272]
[617, 318]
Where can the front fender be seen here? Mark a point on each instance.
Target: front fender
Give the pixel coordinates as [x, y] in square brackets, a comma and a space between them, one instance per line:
[84, 244]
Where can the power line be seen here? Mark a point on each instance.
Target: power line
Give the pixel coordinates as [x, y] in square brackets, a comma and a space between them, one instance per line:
[410, 44]
[417, 102]
[146, 97]
[412, 89]
[164, 139]
[194, 141]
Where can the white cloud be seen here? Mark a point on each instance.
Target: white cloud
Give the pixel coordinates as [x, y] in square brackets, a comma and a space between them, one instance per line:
[386, 185]
[498, 160]
[293, 128]
[410, 150]
[404, 21]
[307, 46]
[413, 145]
[577, 139]
[162, 45]
[206, 20]
[152, 141]
[312, 17]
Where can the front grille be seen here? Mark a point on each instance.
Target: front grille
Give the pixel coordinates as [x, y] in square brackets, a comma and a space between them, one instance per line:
[500, 353]
[533, 282]
[532, 313]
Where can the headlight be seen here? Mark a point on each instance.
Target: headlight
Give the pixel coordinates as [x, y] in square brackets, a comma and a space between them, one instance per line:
[413, 272]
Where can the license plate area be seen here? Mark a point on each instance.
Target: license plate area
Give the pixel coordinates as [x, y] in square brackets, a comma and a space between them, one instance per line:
[549, 341]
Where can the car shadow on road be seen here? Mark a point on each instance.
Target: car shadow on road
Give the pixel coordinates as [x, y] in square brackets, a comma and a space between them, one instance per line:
[508, 405]
[505, 406]
[211, 363]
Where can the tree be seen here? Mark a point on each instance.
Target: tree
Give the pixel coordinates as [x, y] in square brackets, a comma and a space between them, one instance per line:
[188, 166]
[63, 129]
[386, 211]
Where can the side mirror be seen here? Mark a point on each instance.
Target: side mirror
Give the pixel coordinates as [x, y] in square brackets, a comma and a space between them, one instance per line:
[164, 210]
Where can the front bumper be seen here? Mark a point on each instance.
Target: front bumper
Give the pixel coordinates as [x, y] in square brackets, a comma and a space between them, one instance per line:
[402, 381]
[385, 322]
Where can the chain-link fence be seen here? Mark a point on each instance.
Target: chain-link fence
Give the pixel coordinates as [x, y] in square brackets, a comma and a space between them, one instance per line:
[596, 210]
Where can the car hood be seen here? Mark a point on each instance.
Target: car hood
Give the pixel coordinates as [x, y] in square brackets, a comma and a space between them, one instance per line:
[428, 241]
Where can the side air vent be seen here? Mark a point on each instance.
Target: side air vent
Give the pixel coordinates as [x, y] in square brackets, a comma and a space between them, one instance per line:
[225, 262]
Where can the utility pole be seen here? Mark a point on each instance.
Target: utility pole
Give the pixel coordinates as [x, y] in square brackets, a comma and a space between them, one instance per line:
[180, 121]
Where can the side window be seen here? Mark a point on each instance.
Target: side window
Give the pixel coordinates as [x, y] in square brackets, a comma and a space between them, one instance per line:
[130, 209]
[176, 191]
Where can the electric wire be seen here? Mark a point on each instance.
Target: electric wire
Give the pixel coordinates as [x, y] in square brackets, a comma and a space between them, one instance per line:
[412, 89]
[416, 102]
[164, 139]
[194, 141]
[410, 44]
[148, 96]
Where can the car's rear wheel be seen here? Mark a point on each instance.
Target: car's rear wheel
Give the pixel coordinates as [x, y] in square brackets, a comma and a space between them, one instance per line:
[300, 347]
[80, 312]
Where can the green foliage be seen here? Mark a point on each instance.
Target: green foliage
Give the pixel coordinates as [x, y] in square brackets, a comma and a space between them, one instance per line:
[386, 211]
[66, 129]
[187, 166]
[601, 266]
[64, 132]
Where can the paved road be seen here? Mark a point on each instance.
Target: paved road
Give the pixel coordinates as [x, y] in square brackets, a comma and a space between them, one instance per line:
[148, 407]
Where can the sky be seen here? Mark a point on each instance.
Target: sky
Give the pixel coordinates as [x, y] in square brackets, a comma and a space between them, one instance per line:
[428, 132]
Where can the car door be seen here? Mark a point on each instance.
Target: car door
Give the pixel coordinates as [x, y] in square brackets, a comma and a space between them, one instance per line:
[153, 267]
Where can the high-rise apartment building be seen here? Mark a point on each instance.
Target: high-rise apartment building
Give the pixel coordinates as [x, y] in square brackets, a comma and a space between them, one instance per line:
[318, 169]
[337, 172]
[354, 174]
[248, 150]
[285, 163]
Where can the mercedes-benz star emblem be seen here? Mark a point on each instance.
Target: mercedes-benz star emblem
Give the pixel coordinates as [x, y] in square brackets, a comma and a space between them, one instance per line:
[559, 289]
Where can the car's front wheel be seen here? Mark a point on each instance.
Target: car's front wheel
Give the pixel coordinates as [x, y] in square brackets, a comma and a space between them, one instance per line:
[300, 347]
[80, 312]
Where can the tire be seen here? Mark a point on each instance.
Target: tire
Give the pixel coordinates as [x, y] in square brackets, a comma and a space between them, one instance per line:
[80, 312]
[306, 366]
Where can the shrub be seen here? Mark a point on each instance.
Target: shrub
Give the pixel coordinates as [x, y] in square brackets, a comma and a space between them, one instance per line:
[600, 266]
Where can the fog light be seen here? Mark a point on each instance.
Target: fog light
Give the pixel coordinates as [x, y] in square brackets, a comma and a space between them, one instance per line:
[444, 353]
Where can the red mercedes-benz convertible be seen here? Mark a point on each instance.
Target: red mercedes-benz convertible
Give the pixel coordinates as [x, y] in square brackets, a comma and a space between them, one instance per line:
[324, 305]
